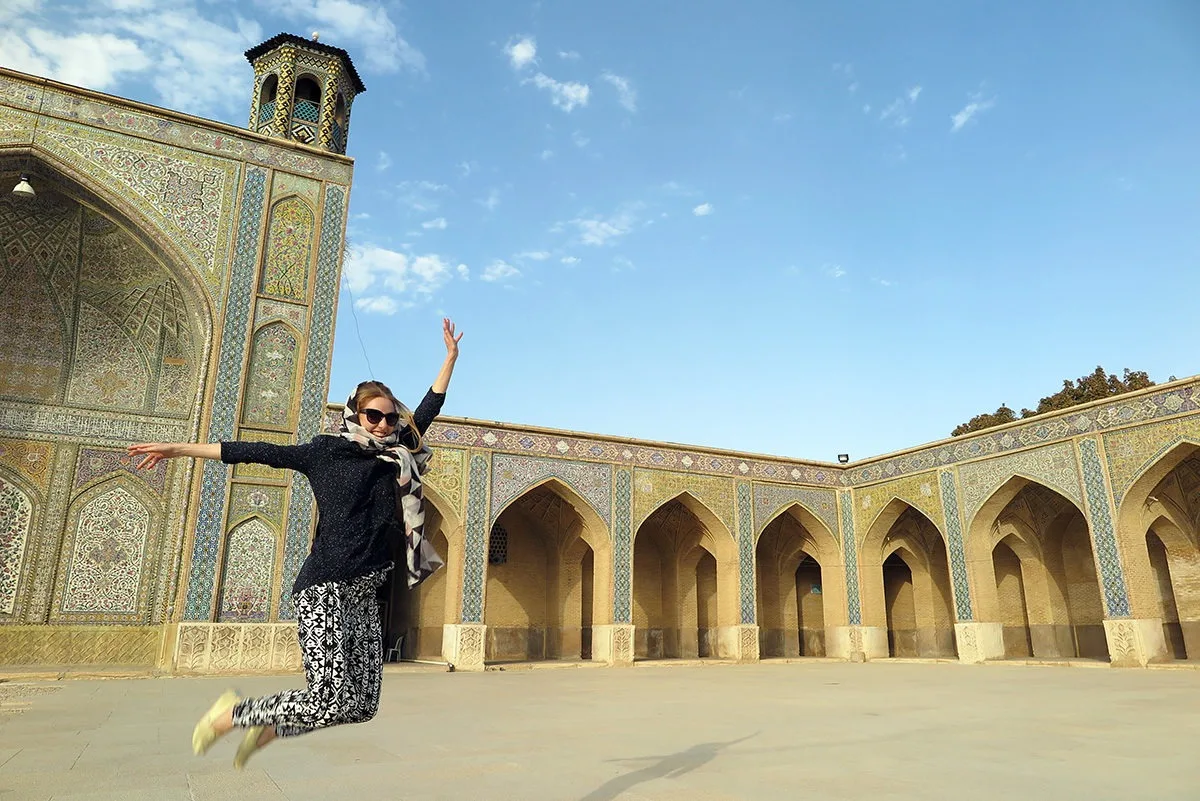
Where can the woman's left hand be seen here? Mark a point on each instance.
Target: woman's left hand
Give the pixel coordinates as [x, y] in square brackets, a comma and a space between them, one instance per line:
[451, 340]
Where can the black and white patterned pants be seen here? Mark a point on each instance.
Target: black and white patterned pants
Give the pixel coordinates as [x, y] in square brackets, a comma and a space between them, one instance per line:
[342, 646]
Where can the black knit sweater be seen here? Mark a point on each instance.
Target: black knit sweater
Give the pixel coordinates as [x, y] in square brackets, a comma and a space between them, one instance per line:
[356, 498]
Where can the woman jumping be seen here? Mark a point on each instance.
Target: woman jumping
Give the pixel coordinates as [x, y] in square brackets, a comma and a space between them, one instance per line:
[366, 482]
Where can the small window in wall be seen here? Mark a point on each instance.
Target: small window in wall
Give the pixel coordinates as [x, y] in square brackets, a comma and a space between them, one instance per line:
[498, 545]
[270, 89]
[308, 100]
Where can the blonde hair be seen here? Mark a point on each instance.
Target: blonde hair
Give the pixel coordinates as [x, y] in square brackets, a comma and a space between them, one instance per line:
[368, 390]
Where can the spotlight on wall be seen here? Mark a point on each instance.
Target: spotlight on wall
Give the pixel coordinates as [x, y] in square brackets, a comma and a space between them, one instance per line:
[23, 188]
[843, 458]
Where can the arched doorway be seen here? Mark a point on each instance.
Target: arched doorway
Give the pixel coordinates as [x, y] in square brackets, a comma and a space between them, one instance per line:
[1158, 524]
[1032, 569]
[906, 583]
[549, 562]
[684, 582]
[798, 595]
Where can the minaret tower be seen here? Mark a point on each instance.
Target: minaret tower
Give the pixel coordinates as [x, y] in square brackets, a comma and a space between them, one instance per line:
[303, 91]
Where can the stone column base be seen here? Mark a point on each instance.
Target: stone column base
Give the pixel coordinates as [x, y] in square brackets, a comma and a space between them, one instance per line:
[462, 645]
[978, 642]
[738, 642]
[857, 643]
[1136, 642]
[613, 644]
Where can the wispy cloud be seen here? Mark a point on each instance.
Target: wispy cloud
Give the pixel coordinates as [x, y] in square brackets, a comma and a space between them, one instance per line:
[568, 55]
[521, 52]
[500, 270]
[532, 255]
[421, 195]
[976, 105]
[547, 155]
[597, 231]
[565, 95]
[899, 111]
[846, 73]
[703, 210]
[626, 94]
[579, 139]
[386, 279]
[465, 168]
[438, 224]
[621, 264]
[570, 261]
[491, 201]
[884, 282]
[834, 270]
[365, 25]
[384, 162]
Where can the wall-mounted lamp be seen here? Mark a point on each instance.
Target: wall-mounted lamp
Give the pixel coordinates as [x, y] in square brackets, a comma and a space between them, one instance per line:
[23, 188]
[843, 458]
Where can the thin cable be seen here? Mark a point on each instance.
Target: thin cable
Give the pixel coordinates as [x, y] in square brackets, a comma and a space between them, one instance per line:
[358, 333]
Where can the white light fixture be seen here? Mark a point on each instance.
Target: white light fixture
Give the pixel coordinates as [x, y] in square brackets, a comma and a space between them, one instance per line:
[843, 458]
[23, 188]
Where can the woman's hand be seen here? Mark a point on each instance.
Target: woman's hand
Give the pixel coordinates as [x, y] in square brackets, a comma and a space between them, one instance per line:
[450, 339]
[155, 452]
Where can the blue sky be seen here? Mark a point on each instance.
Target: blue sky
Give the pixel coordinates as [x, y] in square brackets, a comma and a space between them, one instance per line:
[782, 227]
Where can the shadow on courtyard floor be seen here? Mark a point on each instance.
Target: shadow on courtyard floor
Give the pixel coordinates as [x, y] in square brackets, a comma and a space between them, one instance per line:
[669, 766]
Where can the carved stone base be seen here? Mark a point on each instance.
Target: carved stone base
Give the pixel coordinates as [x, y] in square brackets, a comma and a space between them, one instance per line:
[462, 645]
[613, 644]
[1136, 642]
[857, 643]
[127, 646]
[236, 648]
[978, 642]
[738, 642]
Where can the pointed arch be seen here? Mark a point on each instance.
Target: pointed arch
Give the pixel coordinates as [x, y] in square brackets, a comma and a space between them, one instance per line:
[708, 518]
[248, 572]
[595, 529]
[273, 375]
[18, 506]
[287, 262]
[1130, 515]
[879, 528]
[824, 539]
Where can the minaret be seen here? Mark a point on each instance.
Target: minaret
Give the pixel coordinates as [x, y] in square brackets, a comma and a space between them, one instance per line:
[303, 91]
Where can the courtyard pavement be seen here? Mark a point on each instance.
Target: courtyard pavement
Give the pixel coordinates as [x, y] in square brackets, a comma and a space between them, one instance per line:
[820, 730]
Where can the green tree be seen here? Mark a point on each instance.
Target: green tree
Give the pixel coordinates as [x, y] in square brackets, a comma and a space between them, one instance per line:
[1094, 386]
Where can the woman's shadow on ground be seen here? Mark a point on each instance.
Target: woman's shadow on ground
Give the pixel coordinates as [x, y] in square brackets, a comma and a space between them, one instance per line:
[670, 766]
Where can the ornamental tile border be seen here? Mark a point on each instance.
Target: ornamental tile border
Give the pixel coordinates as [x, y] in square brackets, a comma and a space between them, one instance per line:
[771, 499]
[958, 557]
[849, 541]
[1053, 466]
[746, 538]
[623, 546]
[514, 475]
[476, 536]
[1112, 577]
[1130, 452]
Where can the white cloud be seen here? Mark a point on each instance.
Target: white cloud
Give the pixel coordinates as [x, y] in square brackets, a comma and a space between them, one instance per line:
[566, 95]
[465, 168]
[421, 195]
[913, 94]
[532, 255]
[884, 282]
[385, 161]
[703, 210]
[626, 94]
[783, 116]
[388, 273]
[579, 139]
[522, 52]
[568, 55]
[86, 59]
[570, 261]
[464, 272]
[437, 224]
[598, 231]
[846, 72]
[975, 105]
[491, 201]
[547, 155]
[381, 304]
[500, 270]
[365, 29]
[834, 270]
[899, 111]
[622, 264]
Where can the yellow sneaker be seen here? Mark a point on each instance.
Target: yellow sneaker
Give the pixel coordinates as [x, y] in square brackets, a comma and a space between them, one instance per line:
[204, 735]
[249, 746]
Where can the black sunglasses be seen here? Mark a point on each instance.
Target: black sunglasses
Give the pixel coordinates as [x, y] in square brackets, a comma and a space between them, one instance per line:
[375, 417]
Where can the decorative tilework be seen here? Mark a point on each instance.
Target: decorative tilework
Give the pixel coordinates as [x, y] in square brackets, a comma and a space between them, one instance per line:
[849, 546]
[315, 387]
[623, 546]
[1053, 466]
[1116, 601]
[293, 314]
[47, 421]
[653, 488]
[106, 563]
[249, 565]
[29, 459]
[202, 572]
[958, 557]
[284, 184]
[1121, 411]
[216, 139]
[248, 500]
[95, 463]
[476, 535]
[107, 370]
[271, 378]
[251, 470]
[746, 531]
[289, 250]
[514, 475]
[16, 519]
[1132, 451]
[919, 491]
[446, 475]
[771, 499]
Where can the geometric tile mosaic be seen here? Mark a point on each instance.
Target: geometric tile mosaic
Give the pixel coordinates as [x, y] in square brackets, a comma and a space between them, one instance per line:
[16, 519]
[919, 491]
[94, 463]
[769, 499]
[746, 552]
[1116, 601]
[958, 558]
[476, 536]
[513, 475]
[29, 459]
[850, 548]
[622, 546]
[446, 475]
[1132, 451]
[653, 488]
[249, 566]
[1053, 466]
[203, 564]
[105, 568]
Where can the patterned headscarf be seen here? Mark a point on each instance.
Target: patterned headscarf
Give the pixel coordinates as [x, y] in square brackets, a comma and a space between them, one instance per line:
[420, 556]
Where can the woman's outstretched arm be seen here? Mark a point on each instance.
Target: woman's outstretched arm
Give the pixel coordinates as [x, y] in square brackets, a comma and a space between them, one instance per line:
[155, 452]
[443, 377]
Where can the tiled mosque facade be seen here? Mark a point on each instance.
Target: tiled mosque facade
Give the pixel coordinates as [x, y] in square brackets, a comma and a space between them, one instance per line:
[176, 279]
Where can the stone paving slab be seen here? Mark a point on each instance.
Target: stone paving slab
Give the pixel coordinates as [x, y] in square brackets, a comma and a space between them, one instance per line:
[771, 731]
